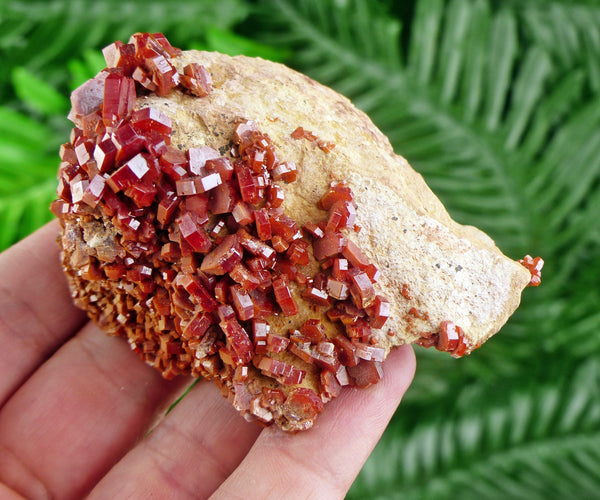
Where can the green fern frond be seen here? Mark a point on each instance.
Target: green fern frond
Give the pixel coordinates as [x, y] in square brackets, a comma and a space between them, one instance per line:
[43, 34]
[38, 95]
[539, 443]
[26, 210]
[570, 31]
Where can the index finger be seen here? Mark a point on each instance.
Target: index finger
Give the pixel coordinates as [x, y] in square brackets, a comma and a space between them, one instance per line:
[324, 461]
[37, 313]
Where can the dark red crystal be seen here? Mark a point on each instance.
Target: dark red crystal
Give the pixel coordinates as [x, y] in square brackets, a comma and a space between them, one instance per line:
[197, 79]
[313, 329]
[284, 372]
[365, 373]
[129, 174]
[238, 341]
[150, 119]
[302, 404]
[193, 233]
[119, 98]
[283, 296]
[224, 257]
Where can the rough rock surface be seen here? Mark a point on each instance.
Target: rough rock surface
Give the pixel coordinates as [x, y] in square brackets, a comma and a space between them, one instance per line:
[433, 270]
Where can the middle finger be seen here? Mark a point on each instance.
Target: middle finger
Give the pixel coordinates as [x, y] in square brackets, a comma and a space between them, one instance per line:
[79, 413]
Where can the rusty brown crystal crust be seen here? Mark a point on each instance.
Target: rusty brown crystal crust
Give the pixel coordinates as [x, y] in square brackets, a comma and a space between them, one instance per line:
[440, 280]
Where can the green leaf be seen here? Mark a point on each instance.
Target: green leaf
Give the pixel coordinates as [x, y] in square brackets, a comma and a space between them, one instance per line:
[43, 35]
[25, 210]
[227, 42]
[37, 94]
[534, 443]
[22, 128]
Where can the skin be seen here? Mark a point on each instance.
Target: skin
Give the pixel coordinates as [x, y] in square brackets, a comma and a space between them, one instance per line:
[77, 408]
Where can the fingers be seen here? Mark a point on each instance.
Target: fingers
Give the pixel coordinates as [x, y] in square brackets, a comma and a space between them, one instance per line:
[77, 415]
[188, 455]
[36, 310]
[200, 443]
[324, 461]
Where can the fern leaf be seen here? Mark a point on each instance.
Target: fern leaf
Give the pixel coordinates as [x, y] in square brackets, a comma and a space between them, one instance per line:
[37, 94]
[570, 31]
[26, 210]
[535, 444]
[45, 34]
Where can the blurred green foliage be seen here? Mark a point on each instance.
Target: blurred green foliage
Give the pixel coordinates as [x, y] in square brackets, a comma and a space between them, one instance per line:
[496, 103]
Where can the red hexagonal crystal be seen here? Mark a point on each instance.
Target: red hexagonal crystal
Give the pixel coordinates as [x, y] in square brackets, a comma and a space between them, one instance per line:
[276, 343]
[197, 326]
[316, 296]
[142, 194]
[120, 55]
[197, 204]
[297, 252]
[263, 226]
[285, 373]
[174, 163]
[302, 404]
[129, 174]
[242, 302]
[330, 386]
[361, 288]
[224, 257]
[119, 98]
[534, 266]
[238, 341]
[449, 338]
[127, 141]
[164, 74]
[88, 97]
[198, 156]
[275, 195]
[365, 373]
[284, 226]
[197, 79]
[167, 208]
[313, 329]
[330, 245]
[256, 247]
[378, 311]
[199, 294]
[151, 119]
[105, 154]
[337, 192]
[283, 296]
[260, 330]
[342, 214]
[242, 213]
[285, 171]
[337, 289]
[193, 233]
[355, 255]
[346, 350]
[221, 166]
[223, 198]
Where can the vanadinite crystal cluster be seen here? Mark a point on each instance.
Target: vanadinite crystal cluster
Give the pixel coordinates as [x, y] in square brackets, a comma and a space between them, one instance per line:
[190, 255]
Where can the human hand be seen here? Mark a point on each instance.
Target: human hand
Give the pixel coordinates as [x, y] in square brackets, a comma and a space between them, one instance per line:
[76, 408]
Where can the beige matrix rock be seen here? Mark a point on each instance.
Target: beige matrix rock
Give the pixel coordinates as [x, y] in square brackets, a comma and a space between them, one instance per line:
[125, 256]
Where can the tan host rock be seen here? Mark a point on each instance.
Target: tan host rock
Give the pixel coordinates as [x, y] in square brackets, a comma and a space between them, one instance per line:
[152, 254]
